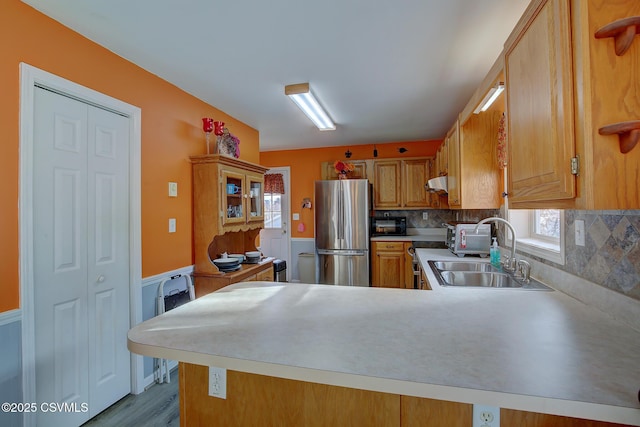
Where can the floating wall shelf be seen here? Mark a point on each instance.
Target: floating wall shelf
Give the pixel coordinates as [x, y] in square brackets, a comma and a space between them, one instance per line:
[623, 31]
[628, 134]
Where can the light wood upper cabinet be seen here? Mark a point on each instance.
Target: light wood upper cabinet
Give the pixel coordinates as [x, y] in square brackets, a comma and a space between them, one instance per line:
[361, 169]
[480, 176]
[563, 85]
[386, 188]
[453, 177]
[415, 174]
[474, 176]
[441, 167]
[538, 64]
[400, 183]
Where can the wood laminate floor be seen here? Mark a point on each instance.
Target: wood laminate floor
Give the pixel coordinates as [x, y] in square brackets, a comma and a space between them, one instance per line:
[157, 406]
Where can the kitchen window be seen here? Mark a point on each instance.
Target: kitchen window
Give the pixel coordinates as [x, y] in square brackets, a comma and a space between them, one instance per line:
[540, 232]
[272, 210]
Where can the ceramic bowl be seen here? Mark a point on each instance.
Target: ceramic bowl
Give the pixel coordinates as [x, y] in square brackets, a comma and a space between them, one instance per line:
[241, 257]
[226, 262]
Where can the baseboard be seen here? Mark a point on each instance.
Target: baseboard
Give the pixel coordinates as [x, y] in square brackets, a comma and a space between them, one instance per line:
[10, 316]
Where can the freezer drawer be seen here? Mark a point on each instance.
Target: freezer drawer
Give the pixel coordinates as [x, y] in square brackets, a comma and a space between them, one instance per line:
[349, 268]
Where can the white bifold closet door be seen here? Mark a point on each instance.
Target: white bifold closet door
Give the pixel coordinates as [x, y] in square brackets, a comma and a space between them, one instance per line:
[81, 257]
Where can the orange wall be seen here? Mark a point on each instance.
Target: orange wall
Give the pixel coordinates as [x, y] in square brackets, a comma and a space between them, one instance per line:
[171, 132]
[305, 169]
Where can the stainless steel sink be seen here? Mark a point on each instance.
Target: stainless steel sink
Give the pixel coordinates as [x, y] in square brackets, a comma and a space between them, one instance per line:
[463, 266]
[479, 275]
[482, 279]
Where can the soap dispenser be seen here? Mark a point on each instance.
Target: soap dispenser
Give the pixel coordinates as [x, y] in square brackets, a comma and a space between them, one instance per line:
[494, 253]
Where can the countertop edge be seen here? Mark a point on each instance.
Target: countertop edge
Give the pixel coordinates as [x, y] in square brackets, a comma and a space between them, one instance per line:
[560, 407]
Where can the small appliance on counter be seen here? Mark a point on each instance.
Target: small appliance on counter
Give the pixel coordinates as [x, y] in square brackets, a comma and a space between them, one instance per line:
[279, 270]
[462, 239]
[389, 226]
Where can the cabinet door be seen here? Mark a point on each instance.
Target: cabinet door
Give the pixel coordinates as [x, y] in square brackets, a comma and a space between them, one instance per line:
[442, 160]
[388, 265]
[540, 104]
[232, 203]
[386, 186]
[415, 174]
[359, 170]
[255, 198]
[265, 275]
[453, 177]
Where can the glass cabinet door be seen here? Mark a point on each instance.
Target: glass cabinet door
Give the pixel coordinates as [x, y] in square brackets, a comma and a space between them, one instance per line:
[233, 191]
[255, 201]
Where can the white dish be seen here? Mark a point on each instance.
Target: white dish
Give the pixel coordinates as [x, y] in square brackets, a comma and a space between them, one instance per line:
[252, 254]
[226, 261]
[238, 256]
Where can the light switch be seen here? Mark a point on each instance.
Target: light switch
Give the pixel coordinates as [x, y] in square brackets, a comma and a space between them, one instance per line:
[173, 189]
[172, 225]
[296, 216]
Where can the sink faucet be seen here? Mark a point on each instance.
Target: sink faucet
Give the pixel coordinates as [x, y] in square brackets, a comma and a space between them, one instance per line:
[512, 262]
[524, 270]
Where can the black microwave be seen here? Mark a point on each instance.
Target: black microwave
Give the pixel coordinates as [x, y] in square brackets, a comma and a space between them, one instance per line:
[389, 226]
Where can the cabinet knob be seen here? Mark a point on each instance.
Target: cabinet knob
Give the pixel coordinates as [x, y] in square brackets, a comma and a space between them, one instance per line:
[100, 279]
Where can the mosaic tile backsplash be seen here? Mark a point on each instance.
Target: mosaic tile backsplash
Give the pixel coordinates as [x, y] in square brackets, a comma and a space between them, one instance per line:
[611, 255]
[438, 216]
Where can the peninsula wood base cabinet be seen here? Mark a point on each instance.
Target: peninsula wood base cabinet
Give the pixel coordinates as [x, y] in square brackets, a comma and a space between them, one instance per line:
[262, 400]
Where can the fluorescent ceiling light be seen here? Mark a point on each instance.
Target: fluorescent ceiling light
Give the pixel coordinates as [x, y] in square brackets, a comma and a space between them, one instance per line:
[301, 94]
[489, 98]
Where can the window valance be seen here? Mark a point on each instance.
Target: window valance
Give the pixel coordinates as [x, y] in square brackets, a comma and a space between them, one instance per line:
[273, 183]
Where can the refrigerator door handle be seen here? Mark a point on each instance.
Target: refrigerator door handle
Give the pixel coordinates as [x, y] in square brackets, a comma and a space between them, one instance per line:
[354, 252]
[340, 214]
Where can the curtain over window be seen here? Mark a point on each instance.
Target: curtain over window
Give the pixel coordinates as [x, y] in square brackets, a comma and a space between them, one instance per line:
[273, 183]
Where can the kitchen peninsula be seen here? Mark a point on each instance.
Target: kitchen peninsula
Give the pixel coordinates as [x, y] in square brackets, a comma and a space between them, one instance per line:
[297, 352]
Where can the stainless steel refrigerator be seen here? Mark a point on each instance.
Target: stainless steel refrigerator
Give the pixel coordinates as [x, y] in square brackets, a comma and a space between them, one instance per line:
[342, 232]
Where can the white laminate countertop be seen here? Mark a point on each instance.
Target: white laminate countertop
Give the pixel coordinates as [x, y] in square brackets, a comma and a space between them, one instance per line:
[528, 350]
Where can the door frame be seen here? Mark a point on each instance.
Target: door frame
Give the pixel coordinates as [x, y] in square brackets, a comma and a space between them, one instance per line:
[287, 196]
[30, 77]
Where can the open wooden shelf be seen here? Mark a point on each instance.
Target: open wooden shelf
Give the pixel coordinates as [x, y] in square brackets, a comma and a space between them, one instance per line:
[628, 134]
[623, 32]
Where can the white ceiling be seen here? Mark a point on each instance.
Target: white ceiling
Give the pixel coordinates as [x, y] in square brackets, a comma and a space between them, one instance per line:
[386, 70]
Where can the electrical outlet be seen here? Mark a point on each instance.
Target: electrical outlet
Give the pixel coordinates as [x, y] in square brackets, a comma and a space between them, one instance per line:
[579, 225]
[486, 416]
[425, 215]
[172, 225]
[217, 382]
